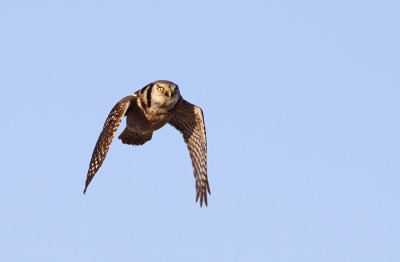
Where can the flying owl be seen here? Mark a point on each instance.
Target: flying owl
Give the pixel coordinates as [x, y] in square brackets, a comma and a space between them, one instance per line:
[147, 110]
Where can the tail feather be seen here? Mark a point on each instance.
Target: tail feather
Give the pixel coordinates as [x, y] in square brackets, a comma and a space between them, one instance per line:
[134, 138]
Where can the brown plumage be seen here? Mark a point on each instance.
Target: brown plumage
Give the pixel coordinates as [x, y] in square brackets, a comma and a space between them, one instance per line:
[189, 120]
[147, 110]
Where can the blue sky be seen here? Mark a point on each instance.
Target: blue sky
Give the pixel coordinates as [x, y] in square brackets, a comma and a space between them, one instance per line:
[301, 103]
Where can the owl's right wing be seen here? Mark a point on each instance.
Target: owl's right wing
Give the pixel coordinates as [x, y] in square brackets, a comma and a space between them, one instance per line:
[106, 136]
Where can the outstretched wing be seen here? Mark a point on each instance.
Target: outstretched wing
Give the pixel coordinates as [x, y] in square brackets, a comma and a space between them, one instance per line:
[189, 120]
[106, 137]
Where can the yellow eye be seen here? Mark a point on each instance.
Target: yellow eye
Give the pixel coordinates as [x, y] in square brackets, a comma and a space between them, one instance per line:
[160, 89]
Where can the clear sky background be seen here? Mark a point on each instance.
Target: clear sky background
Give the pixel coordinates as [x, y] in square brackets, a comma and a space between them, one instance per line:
[301, 103]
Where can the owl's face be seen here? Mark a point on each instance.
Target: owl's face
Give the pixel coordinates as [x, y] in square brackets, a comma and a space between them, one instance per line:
[165, 94]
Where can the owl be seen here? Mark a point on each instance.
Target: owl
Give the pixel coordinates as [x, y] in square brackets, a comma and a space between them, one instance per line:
[147, 110]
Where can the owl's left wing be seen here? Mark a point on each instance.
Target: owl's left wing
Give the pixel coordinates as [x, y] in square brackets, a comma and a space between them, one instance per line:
[106, 136]
[189, 120]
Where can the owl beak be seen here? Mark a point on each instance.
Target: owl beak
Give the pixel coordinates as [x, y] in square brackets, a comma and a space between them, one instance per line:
[169, 93]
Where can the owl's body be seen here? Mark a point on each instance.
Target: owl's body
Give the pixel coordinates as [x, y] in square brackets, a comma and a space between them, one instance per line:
[146, 113]
[147, 110]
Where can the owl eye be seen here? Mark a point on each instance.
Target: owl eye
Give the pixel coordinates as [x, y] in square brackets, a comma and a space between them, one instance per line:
[160, 89]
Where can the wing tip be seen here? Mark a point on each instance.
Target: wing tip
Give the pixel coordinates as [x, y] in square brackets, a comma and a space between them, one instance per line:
[203, 198]
[86, 186]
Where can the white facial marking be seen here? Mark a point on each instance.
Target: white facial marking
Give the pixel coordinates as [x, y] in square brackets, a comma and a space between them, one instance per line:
[160, 101]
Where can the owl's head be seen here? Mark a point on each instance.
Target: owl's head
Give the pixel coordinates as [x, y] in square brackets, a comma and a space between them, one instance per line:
[164, 93]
